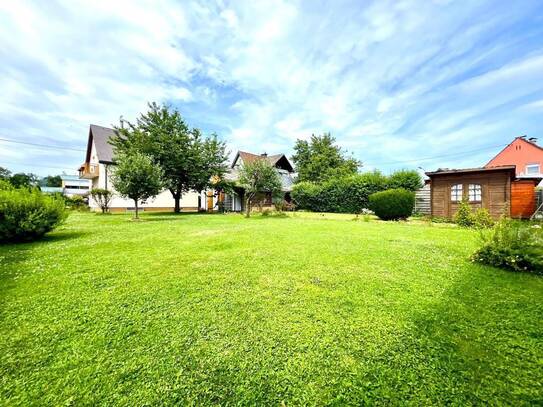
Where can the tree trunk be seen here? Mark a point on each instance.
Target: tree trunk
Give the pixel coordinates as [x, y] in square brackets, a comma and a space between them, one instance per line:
[248, 207]
[136, 202]
[177, 207]
[177, 199]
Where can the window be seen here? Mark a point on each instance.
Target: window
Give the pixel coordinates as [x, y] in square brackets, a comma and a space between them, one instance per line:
[532, 169]
[474, 193]
[456, 193]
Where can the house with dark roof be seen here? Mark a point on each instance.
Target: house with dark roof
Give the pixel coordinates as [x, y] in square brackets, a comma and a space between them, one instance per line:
[99, 165]
[235, 202]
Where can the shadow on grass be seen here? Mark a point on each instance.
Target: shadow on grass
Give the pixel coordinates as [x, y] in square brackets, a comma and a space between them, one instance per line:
[47, 238]
[477, 344]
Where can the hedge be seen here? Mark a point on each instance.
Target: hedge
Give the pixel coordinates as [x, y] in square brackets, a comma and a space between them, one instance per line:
[27, 215]
[350, 194]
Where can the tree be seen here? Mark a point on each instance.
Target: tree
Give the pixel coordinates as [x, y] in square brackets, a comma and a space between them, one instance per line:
[222, 186]
[257, 177]
[22, 180]
[102, 197]
[187, 159]
[5, 174]
[52, 181]
[406, 179]
[137, 177]
[319, 159]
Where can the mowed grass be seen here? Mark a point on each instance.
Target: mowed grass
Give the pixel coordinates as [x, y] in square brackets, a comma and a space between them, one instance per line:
[304, 310]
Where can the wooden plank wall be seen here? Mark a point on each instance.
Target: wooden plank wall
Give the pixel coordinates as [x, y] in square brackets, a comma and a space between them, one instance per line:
[422, 201]
[522, 199]
[496, 193]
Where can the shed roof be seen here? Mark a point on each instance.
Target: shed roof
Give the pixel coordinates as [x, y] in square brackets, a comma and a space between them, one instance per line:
[448, 171]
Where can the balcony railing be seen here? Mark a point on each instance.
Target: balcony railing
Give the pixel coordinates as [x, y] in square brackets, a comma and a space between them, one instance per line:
[88, 171]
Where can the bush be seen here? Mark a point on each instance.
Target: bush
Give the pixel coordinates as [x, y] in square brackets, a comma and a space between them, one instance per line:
[343, 195]
[392, 204]
[102, 197]
[513, 245]
[482, 219]
[6, 185]
[76, 202]
[405, 179]
[464, 216]
[27, 215]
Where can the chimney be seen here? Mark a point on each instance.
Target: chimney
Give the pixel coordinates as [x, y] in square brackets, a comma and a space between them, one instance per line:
[264, 155]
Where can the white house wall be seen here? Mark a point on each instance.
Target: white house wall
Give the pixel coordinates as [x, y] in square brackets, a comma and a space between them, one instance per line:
[189, 200]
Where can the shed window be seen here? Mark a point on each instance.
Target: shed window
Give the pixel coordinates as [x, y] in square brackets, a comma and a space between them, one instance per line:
[456, 192]
[532, 169]
[474, 192]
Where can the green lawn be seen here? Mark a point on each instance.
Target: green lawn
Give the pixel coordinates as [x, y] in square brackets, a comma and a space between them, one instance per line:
[305, 310]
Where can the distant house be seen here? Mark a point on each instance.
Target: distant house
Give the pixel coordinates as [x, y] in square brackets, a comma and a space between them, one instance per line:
[524, 154]
[235, 202]
[73, 185]
[498, 189]
[99, 165]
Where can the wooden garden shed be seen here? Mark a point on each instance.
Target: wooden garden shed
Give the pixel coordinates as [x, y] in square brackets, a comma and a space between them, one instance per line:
[497, 189]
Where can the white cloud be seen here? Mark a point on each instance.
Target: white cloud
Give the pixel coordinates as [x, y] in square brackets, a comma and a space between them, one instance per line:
[391, 80]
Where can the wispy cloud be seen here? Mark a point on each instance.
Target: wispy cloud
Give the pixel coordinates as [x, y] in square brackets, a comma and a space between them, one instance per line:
[394, 81]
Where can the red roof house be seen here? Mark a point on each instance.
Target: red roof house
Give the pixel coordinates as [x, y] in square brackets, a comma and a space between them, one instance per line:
[524, 153]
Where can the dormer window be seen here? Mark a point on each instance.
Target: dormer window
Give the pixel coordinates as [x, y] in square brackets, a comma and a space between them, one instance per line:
[533, 169]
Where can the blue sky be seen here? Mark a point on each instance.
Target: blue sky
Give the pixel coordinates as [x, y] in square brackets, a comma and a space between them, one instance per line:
[396, 82]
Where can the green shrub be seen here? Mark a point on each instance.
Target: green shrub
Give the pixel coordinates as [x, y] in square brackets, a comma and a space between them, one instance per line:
[6, 185]
[392, 204]
[102, 198]
[405, 179]
[464, 215]
[514, 245]
[76, 202]
[28, 214]
[482, 219]
[340, 195]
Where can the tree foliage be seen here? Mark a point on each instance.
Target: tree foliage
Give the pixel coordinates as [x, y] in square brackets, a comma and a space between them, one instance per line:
[5, 174]
[256, 177]
[188, 159]
[102, 197]
[318, 159]
[52, 181]
[406, 179]
[137, 177]
[22, 180]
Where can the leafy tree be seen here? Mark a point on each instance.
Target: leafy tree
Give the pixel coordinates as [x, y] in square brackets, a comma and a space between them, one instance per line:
[52, 181]
[5, 174]
[222, 186]
[319, 159]
[22, 180]
[102, 197]
[258, 177]
[187, 159]
[137, 177]
[406, 179]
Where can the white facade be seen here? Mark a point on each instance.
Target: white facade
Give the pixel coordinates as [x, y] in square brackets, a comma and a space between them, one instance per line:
[163, 201]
